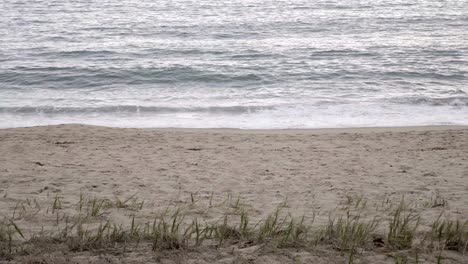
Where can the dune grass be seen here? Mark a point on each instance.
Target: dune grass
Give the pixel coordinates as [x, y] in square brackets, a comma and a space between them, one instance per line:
[87, 226]
[402, 227]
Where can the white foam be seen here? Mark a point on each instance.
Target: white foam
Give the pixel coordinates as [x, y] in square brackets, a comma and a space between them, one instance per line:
[336, 116]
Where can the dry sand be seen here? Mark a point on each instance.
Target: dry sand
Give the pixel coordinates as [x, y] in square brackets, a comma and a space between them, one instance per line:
[312, 170]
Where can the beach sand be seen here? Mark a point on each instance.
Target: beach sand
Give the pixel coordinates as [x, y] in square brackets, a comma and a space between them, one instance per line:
[309, 172]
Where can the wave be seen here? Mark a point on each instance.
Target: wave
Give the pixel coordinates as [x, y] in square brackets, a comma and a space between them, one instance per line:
[459, 101]
[448, 101]
[334, 53]
[180, 51]
[459, 75]
[75, 77]
[134, 109]
[78, 54]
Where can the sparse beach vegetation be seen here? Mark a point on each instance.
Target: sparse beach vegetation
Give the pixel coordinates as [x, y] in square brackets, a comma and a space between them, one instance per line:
[87, 225]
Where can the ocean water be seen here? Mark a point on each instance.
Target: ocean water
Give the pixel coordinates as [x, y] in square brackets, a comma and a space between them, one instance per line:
[234, 63]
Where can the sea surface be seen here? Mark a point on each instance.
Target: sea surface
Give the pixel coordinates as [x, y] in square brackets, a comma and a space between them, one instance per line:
[234, 63]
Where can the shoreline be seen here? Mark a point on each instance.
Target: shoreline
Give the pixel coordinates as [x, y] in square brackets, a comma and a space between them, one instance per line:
[269, 130]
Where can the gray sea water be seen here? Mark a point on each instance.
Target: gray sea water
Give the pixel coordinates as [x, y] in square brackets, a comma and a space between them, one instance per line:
[234, 63]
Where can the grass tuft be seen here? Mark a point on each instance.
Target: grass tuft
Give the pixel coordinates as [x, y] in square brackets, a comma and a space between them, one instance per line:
[402, 227]
[449, 235]
[350, 232]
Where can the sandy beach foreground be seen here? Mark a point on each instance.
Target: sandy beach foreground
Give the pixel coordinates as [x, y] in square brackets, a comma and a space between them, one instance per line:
[209, 174]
